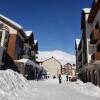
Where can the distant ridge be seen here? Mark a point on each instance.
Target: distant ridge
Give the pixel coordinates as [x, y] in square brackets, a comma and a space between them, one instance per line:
[61, 56]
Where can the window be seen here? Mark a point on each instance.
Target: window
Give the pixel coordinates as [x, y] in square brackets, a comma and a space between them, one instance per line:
[0, 36]
[97, 25]
[6, 40]
[98, 48]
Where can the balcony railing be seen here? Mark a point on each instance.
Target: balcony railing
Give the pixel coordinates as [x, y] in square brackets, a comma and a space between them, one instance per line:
[95, 36]
[95, 56]
[3, 27]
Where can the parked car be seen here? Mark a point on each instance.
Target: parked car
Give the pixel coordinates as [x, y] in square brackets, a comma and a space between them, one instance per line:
[73, 79]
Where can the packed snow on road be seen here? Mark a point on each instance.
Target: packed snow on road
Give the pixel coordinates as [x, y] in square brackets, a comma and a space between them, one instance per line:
[14, 86]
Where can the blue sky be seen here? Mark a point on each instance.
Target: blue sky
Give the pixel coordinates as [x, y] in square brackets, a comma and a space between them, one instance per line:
[55, 23]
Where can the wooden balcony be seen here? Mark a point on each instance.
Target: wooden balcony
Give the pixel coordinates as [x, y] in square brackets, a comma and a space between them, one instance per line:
[95, 56]
[95, 36]
[94, 9]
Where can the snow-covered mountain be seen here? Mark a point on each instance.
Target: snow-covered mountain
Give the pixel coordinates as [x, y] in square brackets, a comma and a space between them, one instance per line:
[61, 56]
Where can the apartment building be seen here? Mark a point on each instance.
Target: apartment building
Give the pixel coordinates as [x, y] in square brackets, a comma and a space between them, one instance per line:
[87, 52]
[12, 40]
[94, 19]
[16, 38]
[69, 69]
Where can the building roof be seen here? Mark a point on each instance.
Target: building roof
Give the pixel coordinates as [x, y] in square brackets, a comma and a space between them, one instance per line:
[42, 59]
[84, 18]
[86, 10]
[13, 24]
[28, 33]
[27, 61]
[35, 41]
[77, 41]
[94, 9]
[53, 58]
[11, 21]
[68, 64]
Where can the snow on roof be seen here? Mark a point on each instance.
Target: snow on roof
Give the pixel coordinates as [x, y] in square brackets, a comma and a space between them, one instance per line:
[35, 41]
[11, 21]
[77, 41]
[86, 10]
[27, 61]
[28, 33]
[42, 59]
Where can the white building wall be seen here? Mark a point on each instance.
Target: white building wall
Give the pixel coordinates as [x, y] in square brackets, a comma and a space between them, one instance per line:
[90, 47]
[2, 48]
[11, 30]
[52, 66]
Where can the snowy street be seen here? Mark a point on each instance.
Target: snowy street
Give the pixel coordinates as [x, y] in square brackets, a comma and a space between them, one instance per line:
[52, 90]
[14, 86]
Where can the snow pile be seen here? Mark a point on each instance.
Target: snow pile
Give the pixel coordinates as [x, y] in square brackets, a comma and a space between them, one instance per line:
[86, 88]
[61, 56]
[12, 85]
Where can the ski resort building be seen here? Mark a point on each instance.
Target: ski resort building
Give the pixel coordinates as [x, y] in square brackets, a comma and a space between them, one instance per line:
[88, 48]
[17, 45]
[69, 69]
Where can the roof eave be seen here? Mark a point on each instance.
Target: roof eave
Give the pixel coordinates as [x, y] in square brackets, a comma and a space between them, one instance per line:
[94, 9]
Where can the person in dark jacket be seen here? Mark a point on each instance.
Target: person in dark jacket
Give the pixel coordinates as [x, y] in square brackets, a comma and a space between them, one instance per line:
[60, 78]
[66, 77]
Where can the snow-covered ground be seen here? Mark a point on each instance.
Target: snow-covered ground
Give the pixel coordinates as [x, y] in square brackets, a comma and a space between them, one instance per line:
[14, 86]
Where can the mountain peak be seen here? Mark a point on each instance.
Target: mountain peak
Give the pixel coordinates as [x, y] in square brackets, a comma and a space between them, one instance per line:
[61, 56]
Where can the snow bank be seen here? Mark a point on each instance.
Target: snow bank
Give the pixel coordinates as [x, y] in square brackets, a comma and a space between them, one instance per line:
[12, 85]
[86, 88]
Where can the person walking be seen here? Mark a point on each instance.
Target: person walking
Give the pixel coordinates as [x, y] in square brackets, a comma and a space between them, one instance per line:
[66, 77]
[60, 79]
